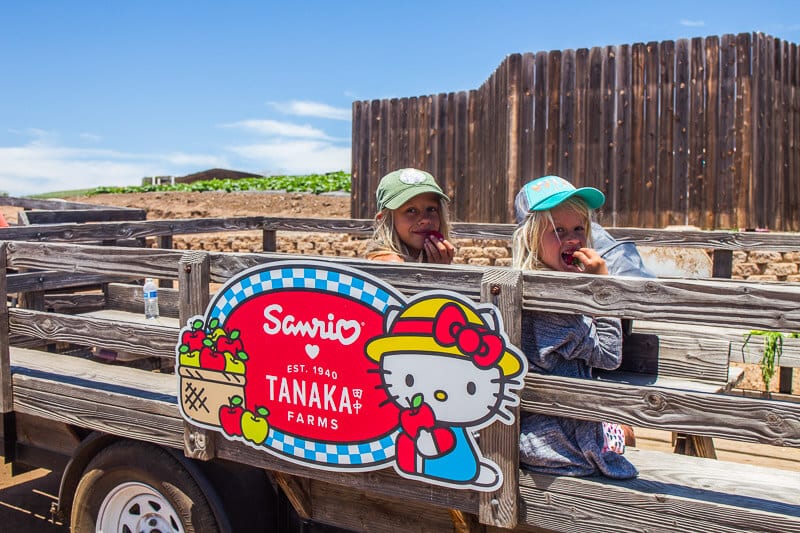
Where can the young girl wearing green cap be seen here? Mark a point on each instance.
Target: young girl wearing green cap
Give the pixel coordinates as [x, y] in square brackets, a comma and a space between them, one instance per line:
[412, 220]
[555, 234]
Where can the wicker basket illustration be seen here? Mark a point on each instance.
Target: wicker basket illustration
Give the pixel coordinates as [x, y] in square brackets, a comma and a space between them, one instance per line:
[203, 392]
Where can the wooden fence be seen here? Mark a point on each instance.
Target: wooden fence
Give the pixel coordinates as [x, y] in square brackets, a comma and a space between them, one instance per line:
[702, 131]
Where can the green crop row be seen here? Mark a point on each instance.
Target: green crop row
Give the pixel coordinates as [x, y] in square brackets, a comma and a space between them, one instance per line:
[312, 183]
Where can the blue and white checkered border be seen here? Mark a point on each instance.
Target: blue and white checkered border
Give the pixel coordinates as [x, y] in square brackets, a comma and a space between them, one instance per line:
[321, 277]
[341, 455]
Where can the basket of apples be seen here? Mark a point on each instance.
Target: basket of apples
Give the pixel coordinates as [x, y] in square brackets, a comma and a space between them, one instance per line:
[212, 365]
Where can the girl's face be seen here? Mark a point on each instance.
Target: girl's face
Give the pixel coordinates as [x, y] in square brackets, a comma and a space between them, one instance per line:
[416, 218]
[561, 240]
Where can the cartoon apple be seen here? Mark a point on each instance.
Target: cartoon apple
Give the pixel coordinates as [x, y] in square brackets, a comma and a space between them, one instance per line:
[230, 416]
[255, 426]
[234, 364]
[230, 343]
[418, 416]
[194, 338]
[189, 358]
[211, 360]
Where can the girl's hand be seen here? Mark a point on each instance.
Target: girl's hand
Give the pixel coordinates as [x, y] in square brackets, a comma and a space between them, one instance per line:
[439, 250]
[590, 261]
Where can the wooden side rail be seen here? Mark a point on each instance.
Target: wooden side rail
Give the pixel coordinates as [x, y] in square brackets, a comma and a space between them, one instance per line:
[673, 492]
[73, 232]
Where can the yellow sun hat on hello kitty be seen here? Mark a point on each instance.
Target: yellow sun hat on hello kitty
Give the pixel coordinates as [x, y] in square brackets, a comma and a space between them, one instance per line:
[446, 326]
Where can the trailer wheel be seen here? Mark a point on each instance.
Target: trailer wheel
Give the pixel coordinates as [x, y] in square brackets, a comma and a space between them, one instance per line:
[131, 487]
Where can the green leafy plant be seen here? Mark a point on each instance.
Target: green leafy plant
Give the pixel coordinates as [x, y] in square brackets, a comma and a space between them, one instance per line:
[312, 183]
[773, 349]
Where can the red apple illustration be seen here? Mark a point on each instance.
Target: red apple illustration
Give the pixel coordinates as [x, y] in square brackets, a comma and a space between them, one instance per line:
[211, 360]
[255, 426]
[418, 416]
[230, 416]
[194, 338]
[230, 343]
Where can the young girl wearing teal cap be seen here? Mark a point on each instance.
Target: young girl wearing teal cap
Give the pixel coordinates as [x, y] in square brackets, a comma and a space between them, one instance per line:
[556, 235]
[412, 220]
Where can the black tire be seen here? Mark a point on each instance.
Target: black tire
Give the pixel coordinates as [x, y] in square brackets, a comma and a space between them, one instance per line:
[139, 484]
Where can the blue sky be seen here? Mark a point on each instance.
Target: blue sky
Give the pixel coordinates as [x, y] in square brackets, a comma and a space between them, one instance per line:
[103, 93]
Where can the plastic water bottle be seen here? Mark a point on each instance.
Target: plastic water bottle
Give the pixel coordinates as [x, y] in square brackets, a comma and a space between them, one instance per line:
[150, 298]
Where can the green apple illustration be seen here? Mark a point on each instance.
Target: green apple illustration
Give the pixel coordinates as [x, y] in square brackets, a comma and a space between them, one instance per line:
[234, 364]
[255, 426]
[189, 357]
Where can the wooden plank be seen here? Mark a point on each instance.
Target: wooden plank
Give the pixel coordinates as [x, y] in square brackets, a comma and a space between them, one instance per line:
[744, 122]
[52, 204]
[382, 483]
[638, 118]
[500, 442]
[768, 306]
[676, 492]
[129, 298]
[649, 200]
[618, 193]
[594, 119]
[513, 137]
[527, 124]
[6, 396]
[680, 143]
[607, 181]
[49, 280]
[81, 216]
[761, 156]
[359, 205]
[710, 136]
[553, 113]
[744, 348]
[193, 280]
[699, 358]
[664, 190]
[726, 146]
[696, 177]
[565, 151]
[580, 135]
[142, 339]
[680, 410]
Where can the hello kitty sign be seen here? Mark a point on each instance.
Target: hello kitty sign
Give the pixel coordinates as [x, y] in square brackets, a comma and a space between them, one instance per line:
[329, 367]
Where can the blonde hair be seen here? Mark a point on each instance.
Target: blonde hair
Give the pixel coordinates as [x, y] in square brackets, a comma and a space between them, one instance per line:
[527, 237]
[387, 237]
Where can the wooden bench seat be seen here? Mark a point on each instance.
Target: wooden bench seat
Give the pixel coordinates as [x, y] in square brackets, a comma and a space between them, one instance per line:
[672, 493]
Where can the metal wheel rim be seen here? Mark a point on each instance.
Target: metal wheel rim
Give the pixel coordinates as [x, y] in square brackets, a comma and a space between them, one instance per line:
[137, 508]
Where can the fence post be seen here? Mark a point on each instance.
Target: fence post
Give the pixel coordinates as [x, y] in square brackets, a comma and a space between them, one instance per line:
[500, 442]
[193, 279]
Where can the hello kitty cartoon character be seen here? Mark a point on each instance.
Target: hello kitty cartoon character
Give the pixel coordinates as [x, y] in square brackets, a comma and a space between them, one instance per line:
[448, 367]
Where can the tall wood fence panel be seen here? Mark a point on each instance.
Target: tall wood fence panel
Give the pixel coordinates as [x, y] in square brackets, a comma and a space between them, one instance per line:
[702, 131]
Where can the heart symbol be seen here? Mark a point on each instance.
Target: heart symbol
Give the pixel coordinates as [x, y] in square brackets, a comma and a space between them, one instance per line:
[312, 350]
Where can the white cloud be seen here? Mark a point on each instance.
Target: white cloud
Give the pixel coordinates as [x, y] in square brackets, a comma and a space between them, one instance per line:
[39, 167]
[692, 23]
[296, 157]
[312, 109]
[281, 129]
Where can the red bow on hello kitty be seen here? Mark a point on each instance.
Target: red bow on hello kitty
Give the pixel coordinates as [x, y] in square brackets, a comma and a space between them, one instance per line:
[450, 328]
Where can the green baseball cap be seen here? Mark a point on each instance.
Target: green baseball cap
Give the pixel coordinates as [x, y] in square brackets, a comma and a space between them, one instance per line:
[399, 186]
[548, 192]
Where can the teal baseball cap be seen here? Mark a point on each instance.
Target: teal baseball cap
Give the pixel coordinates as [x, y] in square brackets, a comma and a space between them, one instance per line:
[548, 192]
[399, 186]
